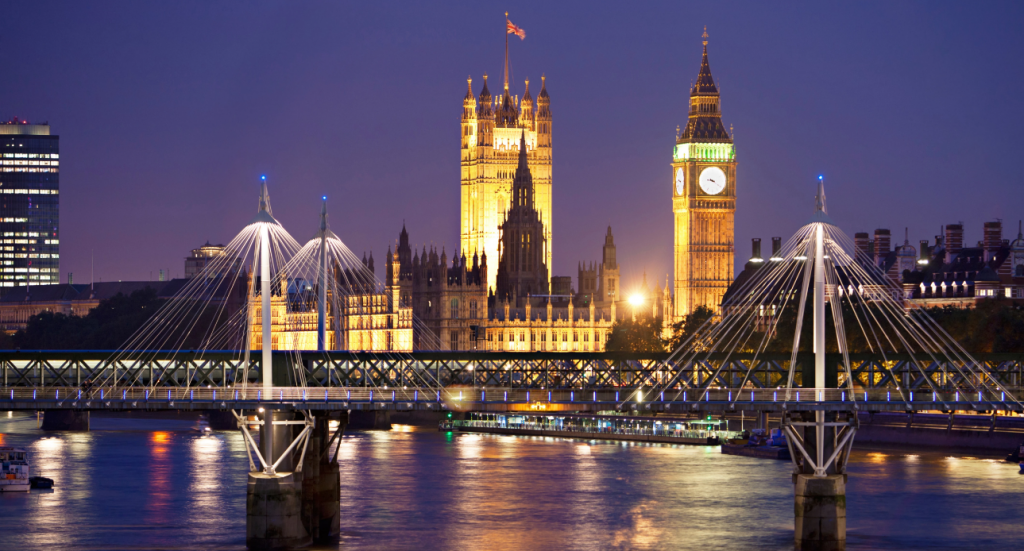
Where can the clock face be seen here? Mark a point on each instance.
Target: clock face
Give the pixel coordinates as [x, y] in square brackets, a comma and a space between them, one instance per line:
[712, 180]
[680, 181]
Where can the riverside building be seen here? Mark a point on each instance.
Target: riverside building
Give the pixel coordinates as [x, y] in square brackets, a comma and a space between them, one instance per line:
[29, 201]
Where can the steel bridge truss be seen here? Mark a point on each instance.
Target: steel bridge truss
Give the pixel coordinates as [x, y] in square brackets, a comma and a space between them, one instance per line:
[510, 370]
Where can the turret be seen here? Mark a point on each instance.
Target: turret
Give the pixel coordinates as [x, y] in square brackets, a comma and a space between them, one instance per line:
[469, 116]
[390, 271]
[608, 251]
[543, 119]
[395, 267]
[443, 275]
[526, 109]
[404, 253]
[485, 118]
[469, 102]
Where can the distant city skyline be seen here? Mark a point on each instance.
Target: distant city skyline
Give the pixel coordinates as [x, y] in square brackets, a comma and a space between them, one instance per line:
[168, 115]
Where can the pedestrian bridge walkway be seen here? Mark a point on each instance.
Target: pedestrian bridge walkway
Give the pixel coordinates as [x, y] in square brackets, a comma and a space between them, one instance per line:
[494, 399]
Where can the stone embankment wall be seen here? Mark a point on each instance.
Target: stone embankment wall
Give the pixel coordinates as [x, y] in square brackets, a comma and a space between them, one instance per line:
[978, 432]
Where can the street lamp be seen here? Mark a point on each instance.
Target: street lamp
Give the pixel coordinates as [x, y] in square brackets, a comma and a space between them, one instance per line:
[636, 300]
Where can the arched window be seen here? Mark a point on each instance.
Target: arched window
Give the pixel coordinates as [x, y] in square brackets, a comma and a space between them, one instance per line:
[455, 309]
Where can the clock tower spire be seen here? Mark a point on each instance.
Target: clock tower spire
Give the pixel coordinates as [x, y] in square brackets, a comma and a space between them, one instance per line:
[703, 199]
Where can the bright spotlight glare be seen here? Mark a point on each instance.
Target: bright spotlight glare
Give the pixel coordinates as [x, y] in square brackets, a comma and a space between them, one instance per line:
[636, 300]
[263, 177]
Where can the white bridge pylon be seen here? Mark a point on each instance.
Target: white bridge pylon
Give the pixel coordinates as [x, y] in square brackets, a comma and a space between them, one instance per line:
[268, 226]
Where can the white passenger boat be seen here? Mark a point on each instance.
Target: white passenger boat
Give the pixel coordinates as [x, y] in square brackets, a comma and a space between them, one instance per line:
[14, 470]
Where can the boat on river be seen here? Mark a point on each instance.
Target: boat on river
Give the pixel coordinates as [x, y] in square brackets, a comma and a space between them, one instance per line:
[14, 470]
[762, 444]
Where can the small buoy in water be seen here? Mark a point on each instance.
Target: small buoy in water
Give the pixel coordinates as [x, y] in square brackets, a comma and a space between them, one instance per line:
[1022, 467]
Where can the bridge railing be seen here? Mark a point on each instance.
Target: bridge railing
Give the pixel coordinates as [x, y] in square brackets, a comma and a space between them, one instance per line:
[469, 398]
[592, 371]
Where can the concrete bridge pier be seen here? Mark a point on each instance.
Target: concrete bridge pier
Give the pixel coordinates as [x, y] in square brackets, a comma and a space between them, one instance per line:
[273, 499]
[820, 507]
[65, 419]
[321, 481]
[295, 507]
[273, 503]
[819, 486]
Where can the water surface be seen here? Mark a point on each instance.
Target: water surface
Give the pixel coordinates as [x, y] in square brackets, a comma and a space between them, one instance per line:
[159, 484]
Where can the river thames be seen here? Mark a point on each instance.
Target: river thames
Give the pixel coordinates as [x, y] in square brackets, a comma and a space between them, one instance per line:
[160, 484]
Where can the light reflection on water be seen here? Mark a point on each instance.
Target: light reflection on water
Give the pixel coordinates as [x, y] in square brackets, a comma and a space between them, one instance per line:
[161, 484]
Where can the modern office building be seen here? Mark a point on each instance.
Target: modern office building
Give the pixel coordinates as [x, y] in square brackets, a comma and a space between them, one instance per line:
[29, 199]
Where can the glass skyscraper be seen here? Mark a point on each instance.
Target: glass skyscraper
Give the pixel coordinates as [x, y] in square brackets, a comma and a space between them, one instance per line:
[29, 199]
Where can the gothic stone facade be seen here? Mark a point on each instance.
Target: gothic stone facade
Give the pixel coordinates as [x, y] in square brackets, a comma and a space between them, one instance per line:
[491, 132]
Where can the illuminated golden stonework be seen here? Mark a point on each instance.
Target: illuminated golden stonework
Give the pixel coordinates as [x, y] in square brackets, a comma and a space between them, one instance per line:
[368, 320]
[490, 151]
[549, 329]
[703, 201]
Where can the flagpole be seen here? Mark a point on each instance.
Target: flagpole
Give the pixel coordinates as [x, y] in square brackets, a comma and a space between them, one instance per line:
[506, 50]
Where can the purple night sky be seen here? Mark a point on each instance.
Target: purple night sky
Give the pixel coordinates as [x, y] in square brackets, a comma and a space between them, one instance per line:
[169, 112]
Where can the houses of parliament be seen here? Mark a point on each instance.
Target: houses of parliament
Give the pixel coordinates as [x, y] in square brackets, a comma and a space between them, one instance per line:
[496, 292]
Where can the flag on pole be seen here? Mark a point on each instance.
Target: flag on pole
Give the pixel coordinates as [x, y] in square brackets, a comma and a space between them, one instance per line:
[512, 29]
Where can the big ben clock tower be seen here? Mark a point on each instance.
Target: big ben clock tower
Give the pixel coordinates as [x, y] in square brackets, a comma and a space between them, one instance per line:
[703, 200]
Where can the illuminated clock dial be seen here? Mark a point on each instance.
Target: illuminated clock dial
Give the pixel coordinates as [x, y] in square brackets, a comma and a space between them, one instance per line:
[712, 180]
[680, 181]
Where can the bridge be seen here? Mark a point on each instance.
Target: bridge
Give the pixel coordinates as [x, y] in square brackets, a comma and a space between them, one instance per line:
[585, 382]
